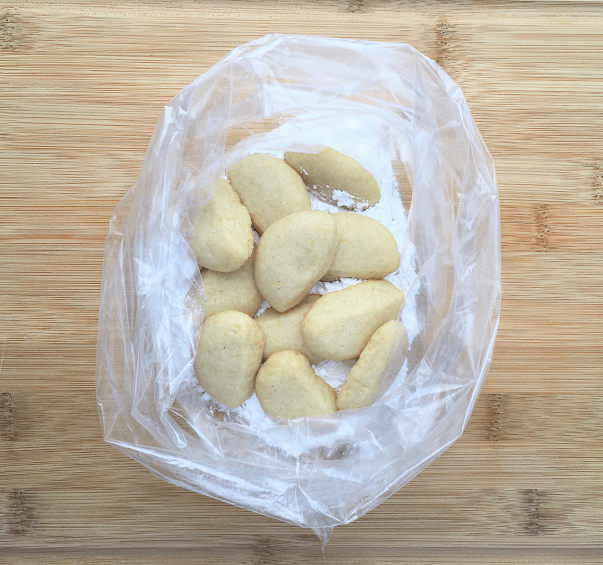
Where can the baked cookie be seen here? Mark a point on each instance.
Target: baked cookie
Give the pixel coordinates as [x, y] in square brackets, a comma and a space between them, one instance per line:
[331, 170]
[269, 188]
[287, 387]
[362, 382]
[283, 330]
[367, 249]
[340, 324]
[222, 238]
[229, 356]
[293, 255]
[230, 291]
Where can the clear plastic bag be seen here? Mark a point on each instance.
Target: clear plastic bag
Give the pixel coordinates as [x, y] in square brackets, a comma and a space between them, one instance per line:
[390, 104]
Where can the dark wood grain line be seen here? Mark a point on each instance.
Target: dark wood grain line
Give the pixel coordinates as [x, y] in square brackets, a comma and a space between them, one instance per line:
[8, 24]
[531, 418]
[598, 182]
[445, 36]
[8, 427]
[543, 227]
[21, 512]
[496, 402]
[355, 6]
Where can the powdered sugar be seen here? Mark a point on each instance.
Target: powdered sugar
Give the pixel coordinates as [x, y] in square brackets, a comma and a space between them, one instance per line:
[346, 200]
[323, 287]
[334, 372]
[317, 202]
[250, 413]
[265, 305]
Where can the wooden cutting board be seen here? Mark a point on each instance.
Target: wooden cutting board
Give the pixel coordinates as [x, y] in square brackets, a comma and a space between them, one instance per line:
[82, 85]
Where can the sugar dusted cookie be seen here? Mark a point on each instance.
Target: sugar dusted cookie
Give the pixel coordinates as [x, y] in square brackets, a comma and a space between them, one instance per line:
[367, 249]
[229, 356]
[362, 382]
[287, 387]
[331, 170]
[293, 255]
[230, 291]
[283, 330]
[222, 239]
[340, 324]
[269, 188]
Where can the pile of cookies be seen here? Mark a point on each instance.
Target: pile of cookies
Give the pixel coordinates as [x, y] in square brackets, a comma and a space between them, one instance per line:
[298, 247]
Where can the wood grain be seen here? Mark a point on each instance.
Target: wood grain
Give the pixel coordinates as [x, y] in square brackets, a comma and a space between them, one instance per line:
[82, 85]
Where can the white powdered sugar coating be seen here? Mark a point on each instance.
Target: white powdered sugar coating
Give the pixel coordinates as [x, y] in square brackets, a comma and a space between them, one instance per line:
[334, 372]
[348, 201]
[318, 203]
[265, 305]
[322, 287]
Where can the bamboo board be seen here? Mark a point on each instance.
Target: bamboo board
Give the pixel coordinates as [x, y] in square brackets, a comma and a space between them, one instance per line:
[82, 85]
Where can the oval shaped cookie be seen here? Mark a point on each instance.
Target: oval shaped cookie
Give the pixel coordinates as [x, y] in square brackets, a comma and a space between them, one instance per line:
[340, 324]
[330, 170]
[293, 255]
[230, 291]
[269, 188]
[222, 238]
[283, 330]
[288, 387]
[367, 249]
[362, 382]
[229, 356]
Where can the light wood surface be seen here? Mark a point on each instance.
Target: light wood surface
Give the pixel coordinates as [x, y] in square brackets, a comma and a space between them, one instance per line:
[82, 85]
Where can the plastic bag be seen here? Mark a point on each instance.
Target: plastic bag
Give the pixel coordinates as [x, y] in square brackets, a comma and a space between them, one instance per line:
[384, 103]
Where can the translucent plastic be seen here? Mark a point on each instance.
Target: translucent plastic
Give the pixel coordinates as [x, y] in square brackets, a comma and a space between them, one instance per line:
[273, 93]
